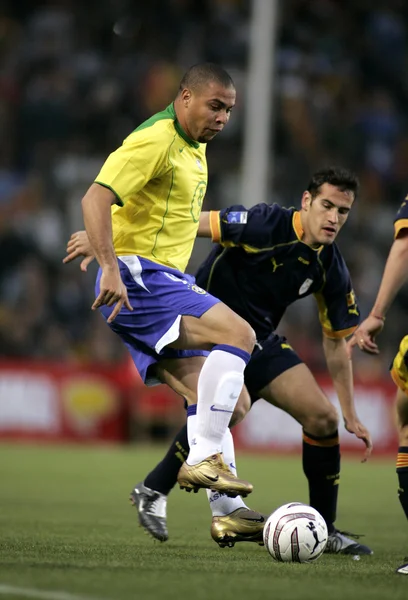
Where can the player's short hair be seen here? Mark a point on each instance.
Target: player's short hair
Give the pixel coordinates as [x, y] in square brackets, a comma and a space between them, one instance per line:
[341, 178]
[202, 74]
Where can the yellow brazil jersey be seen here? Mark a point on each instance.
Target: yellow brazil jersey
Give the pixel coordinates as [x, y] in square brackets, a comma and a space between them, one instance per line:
[159, 176]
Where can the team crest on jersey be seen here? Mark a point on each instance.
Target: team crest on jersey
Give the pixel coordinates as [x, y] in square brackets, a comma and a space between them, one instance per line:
[197, 289]
[305, 286]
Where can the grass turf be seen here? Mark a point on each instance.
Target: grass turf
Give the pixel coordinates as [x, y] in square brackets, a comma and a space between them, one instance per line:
[66, 524]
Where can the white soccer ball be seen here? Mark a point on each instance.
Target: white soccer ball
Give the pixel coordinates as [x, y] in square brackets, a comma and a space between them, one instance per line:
[295, 532]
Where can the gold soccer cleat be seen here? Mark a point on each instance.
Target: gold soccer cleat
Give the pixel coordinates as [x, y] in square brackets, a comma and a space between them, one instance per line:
[242, 525]
[213, 474]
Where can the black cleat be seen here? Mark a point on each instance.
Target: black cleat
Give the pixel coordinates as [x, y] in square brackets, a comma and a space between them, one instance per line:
[338, 542]
[151, 508]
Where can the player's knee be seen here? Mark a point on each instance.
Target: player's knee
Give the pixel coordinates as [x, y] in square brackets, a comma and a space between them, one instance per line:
[323, 422]
[243, 336]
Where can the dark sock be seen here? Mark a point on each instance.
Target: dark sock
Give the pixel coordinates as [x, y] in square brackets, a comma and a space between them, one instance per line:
[164, 476]
[402, 472]
[321, 465]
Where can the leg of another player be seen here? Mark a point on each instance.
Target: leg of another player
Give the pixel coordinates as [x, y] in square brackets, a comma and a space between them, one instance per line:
[220, 382]
[402, 459]
[150, 496]
[296, 392]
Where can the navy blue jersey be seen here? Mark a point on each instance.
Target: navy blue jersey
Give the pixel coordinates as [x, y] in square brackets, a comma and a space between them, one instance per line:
[260, 266]
[401, 218]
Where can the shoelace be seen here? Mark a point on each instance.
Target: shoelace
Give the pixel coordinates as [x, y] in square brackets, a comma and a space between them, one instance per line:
[355, 536]
[157, 507]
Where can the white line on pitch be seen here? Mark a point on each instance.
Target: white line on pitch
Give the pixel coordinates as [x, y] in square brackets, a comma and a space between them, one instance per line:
[40, 594]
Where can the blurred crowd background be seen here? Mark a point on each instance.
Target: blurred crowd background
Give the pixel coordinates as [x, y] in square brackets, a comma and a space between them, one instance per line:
[76, 78]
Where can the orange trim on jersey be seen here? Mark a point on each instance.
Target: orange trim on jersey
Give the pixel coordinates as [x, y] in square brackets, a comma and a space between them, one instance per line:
[338, 335]
[215, 225]
[322, 443]
[399, 226]
[297, 224]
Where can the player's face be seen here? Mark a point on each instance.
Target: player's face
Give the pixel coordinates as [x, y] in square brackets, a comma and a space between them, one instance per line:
[325, 214]
[207, 111]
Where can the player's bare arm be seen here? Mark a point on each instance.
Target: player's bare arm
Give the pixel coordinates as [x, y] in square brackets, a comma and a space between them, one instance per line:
[78, 245]
[204, 225]
[340, 369]
[394, 276]
[96, 208]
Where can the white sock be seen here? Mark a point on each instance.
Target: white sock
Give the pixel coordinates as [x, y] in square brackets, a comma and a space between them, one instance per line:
[220, 504]
[219, 386]
[191, 423]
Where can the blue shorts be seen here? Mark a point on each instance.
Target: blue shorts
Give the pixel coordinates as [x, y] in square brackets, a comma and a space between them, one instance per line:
[159, 296]
[270, 358]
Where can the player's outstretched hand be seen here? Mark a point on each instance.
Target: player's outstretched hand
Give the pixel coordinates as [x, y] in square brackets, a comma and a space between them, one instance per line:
[364, 336]
[78, 245]
[355, 427]
[112, 292]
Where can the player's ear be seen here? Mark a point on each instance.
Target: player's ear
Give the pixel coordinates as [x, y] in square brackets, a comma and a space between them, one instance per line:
[306, 200]
[186, 96]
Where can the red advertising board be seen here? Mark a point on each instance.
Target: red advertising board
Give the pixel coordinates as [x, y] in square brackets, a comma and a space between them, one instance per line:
[62, 402]
[68, 402]
[267, 428]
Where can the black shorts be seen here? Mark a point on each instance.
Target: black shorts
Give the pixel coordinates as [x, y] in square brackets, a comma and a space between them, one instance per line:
[269, 359]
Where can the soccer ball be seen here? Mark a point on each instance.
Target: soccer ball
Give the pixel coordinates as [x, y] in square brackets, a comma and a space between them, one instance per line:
[295, 532]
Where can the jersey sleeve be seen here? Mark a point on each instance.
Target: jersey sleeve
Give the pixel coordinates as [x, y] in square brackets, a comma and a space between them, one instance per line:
[239, 226]
[338, 310]
[401, 218]
[126, 171]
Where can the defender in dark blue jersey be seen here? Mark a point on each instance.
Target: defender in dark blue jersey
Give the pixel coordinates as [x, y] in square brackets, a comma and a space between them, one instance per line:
[265, 259]
[261, 265]
[394, 277]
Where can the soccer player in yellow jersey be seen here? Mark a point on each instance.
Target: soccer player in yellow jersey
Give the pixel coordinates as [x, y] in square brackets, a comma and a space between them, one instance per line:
[141, 215]
[395, 275]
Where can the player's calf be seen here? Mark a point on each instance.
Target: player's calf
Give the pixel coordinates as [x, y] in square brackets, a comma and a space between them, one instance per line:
[241, 409]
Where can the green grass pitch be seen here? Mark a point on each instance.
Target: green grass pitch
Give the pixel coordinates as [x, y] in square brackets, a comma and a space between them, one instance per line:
[66, 524]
